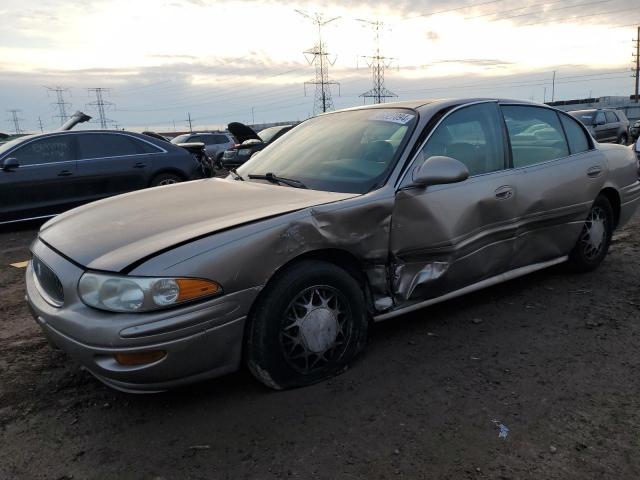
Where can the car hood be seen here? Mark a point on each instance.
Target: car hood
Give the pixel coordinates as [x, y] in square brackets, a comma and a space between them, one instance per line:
[114, 233]
[242, 132]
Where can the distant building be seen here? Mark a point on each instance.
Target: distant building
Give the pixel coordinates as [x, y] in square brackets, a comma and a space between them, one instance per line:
[627, 104]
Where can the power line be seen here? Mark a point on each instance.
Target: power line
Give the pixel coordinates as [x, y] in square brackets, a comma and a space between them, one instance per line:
[378, 64]
[319, 57]
[636, 55]
[100, 105]
[15, 120]
[60, 102]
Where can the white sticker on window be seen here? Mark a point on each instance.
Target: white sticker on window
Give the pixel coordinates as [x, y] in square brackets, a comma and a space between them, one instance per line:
[395, 117]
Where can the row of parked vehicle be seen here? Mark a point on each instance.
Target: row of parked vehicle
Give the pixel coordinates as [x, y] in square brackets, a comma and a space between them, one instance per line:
[45, 174]
[608, 125]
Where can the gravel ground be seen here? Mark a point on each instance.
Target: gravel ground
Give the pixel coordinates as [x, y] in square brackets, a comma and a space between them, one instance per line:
[535, 378]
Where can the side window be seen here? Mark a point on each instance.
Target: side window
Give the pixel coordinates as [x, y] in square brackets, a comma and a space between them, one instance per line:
[611, 117]
[473, 135]
[144, 147]
[219, 139]
[578, 141]
[535, 133]
[100, 145]
[58, 148]
[600, 118]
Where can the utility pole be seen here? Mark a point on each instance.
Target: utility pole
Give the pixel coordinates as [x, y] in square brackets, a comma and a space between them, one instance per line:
[190, 127]
[553, 87]
[40, 123]
[100, 105]
[637, 73]
[15, 120]
[544, 95]
[253, 118]
[319, 57]
[60, 102]
[378, 65]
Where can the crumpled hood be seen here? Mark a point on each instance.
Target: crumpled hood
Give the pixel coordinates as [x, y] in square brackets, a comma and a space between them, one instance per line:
[113, 233]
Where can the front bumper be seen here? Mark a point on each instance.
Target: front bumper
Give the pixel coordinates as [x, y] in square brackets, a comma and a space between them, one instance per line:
[202, 340]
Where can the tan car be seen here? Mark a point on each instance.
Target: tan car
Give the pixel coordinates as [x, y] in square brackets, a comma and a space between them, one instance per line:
[354, 216]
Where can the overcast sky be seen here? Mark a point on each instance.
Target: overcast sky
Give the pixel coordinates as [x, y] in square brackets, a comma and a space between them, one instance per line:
[218, 60]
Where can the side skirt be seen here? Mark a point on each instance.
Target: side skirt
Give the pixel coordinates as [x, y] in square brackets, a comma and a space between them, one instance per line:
[503, 277]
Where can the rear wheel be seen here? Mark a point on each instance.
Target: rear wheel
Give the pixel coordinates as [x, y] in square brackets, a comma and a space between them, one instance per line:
[595, 237]
[165, 179]
[309, 324]
[623, 139]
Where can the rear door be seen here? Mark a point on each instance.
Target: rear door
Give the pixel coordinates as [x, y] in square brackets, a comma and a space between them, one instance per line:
[445, 237]
[613, 125]
[600, 127]
[45, 182]
[112, 163]
[557, 175]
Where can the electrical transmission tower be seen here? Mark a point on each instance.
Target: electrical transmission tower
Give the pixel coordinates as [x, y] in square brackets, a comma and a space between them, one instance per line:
[319, 57]
[100, 105]
[636, 57]
[60, 102]
[378, 64]
[15, 120]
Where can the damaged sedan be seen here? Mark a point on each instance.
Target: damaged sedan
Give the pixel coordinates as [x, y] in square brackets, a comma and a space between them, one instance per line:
[354, 216]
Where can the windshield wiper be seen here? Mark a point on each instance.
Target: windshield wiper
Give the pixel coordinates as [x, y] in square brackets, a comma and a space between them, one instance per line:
[236, 175]
[275, 179]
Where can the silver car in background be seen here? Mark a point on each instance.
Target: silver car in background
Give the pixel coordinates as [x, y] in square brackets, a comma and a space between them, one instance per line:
[357, 215]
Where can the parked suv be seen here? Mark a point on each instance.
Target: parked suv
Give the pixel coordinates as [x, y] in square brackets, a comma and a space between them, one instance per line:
[215, 143]
[46, 174]
[605, 125]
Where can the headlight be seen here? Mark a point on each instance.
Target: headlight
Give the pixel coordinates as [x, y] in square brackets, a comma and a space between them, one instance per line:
[141, 294]
[243, 152]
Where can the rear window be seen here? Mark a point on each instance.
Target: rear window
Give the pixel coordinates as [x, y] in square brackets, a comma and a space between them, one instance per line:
[578, 141]
[585, 117]
[536, 135]
[611, 117]
[101, 145]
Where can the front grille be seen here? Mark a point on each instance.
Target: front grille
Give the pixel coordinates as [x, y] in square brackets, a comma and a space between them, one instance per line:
[48, 282]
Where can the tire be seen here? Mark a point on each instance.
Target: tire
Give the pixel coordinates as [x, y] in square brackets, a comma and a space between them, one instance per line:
[623, 139]
[165, 179]
[595, 237]
[307, 326]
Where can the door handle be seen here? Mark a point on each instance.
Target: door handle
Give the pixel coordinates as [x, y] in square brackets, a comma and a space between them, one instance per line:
[140, 165]
[504, 192]
[64, 173]
[594, 172]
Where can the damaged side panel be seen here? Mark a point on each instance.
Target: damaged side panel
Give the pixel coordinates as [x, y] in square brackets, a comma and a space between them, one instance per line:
[248, 256]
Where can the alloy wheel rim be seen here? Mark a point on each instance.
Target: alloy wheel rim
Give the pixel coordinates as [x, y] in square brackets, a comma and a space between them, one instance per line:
[593, 233]
[167, 181]
[316, 329]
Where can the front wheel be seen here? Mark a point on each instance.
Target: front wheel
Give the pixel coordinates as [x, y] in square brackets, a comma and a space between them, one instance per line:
[165, 179]
[308, 325]
[595, 237]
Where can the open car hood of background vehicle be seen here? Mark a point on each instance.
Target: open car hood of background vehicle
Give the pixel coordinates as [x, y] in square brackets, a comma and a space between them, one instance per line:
[113, 233]
[242, 132]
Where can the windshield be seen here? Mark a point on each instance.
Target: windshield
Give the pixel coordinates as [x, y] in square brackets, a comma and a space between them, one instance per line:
[268, 133]
[586, 117]
[348, 152]
[181, 138]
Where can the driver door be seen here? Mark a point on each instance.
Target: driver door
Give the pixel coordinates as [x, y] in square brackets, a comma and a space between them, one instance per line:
[445, 237]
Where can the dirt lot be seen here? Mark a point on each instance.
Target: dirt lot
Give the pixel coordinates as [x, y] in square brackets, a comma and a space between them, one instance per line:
[550, 361]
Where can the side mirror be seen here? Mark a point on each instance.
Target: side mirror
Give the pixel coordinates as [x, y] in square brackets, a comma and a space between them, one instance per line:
[439, 170]
[9, 164]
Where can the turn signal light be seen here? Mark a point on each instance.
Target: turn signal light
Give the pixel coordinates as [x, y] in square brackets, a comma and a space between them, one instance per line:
[192, 288]
[139, 358]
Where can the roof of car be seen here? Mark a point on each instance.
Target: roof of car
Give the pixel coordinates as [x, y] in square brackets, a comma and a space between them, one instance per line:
[442, 103]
